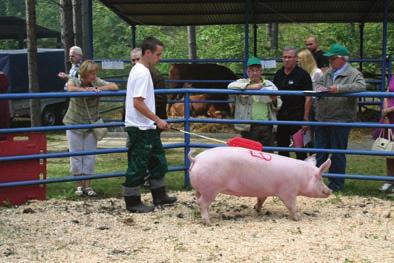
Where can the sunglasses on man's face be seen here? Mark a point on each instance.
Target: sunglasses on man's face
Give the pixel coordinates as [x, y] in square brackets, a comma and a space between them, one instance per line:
[135, 59]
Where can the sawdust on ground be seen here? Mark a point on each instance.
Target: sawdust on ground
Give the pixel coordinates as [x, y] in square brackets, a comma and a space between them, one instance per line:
[337, 229]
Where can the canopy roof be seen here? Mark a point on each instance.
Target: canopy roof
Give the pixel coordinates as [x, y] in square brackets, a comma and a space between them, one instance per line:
[12, 27]
[215, 12]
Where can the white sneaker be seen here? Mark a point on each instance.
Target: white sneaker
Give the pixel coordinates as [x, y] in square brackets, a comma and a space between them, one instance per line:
[386, 187]
[79, 191]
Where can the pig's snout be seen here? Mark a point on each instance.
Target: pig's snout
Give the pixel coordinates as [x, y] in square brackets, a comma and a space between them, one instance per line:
[326, 191]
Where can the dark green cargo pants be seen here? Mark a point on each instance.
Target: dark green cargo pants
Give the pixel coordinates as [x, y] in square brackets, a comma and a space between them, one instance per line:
[145, 153]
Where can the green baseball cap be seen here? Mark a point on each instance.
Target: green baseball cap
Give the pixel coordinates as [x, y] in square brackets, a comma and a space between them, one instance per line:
[337, 50]
[253, 61]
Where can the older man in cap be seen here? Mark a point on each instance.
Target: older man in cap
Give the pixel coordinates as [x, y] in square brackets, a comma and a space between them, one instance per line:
[340, 78]
[255, 107]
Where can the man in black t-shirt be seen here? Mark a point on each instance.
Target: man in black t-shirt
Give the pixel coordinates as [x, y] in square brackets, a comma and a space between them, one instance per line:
[294, 108]
[313, 46]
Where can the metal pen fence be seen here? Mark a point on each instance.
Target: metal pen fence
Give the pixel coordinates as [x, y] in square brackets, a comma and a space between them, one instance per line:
[187, 120]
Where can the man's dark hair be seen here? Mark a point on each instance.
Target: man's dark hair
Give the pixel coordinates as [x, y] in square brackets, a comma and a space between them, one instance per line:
[150, 43]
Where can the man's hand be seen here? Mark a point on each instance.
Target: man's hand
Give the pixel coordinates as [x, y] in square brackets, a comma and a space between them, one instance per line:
[162, 124]
[333, 89]
[386, 111]
[305, 128]
[255, 86]
[63, 75]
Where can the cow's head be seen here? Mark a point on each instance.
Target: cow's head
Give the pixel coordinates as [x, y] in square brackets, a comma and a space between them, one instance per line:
[175, 74]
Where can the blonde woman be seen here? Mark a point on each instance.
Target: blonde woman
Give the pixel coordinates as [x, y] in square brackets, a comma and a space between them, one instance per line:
[84, 110]
[308, 63]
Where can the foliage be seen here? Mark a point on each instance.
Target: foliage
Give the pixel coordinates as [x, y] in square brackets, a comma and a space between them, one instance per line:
[112, 36]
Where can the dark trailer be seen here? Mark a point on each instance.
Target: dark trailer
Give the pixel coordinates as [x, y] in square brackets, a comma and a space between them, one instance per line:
[49, 63]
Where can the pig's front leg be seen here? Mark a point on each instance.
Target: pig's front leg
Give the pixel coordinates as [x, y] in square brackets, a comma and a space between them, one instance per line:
[259, 204]
[291, 204]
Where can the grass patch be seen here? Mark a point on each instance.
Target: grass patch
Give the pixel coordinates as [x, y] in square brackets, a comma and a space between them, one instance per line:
[108, 163]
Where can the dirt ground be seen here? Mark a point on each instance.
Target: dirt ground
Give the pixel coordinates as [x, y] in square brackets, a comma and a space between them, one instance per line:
[337, 229]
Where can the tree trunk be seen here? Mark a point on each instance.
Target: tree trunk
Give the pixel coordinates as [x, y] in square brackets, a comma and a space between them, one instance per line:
[35, 105]
[191, 35]
[77, 19]
[3, 8]
[66, 16]
[273, 32]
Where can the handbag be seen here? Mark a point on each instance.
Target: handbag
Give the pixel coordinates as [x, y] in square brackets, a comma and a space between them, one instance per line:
[298, 139]
[383, 144]
[99, 132]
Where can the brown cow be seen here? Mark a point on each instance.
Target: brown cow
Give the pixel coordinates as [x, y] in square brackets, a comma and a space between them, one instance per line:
[202, 72]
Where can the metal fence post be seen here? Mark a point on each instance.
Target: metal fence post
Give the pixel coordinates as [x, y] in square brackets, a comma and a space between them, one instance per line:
[186, 101]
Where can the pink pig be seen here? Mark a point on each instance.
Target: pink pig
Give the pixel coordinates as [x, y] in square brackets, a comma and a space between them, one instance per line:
[244, 172]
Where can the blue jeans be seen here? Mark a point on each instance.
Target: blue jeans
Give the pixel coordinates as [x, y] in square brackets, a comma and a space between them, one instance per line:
[333, 138]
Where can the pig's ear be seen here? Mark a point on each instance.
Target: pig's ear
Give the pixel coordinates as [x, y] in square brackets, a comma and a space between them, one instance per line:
[325, 166]
[311, 159]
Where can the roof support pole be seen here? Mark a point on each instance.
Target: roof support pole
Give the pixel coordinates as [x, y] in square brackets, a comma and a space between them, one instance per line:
[384, 44]
[246, 31]
[133, 34]
[255, 40]
[361, 27]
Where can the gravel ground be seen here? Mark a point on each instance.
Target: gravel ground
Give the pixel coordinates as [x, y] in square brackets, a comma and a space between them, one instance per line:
[337, 229]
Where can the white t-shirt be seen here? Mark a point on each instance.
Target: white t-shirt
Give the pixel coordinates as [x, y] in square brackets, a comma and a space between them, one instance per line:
[139, 84]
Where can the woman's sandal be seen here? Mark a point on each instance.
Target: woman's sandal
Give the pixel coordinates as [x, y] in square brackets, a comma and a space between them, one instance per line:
[89, 191]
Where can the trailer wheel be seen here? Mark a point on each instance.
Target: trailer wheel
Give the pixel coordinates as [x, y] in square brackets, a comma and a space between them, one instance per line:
[49, 116]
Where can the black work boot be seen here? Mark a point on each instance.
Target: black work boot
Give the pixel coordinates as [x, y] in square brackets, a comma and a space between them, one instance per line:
[160, 196]
[134, 205]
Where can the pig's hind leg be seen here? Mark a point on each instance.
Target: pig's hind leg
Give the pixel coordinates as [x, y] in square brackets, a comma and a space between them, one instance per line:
[203, 202]
[259, 203]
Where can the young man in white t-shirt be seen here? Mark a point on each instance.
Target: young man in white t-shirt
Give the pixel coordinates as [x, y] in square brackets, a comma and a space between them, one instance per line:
[145, 148]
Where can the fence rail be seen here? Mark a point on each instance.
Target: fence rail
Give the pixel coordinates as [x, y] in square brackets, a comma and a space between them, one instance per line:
[187, 120]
